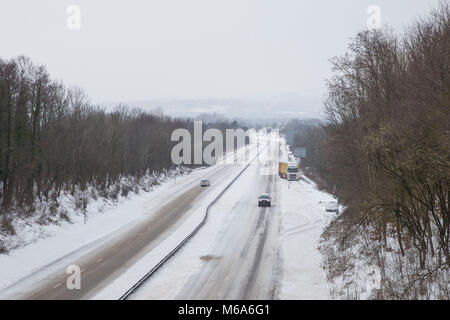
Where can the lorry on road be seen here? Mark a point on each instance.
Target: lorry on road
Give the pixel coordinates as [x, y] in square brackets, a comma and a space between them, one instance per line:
[289, 170]
[282, 169]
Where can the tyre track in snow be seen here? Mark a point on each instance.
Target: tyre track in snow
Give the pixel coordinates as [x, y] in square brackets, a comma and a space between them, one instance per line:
[262, 226]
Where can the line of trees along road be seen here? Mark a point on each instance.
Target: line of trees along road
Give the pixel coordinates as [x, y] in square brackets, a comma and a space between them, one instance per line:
[386, 148]
[53, 139]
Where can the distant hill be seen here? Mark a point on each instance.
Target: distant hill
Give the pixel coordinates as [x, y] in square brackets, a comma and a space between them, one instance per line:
[270, 107]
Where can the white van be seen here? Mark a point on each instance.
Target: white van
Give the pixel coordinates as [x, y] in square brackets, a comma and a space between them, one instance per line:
[204, 183]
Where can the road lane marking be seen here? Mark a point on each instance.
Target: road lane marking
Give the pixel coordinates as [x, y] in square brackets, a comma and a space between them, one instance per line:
[58, 285]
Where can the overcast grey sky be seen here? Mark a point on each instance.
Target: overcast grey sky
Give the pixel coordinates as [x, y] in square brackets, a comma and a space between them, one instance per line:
[137, 50]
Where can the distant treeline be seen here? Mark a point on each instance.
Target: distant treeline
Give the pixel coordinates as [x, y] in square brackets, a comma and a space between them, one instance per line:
[386, 145]
[52, 138]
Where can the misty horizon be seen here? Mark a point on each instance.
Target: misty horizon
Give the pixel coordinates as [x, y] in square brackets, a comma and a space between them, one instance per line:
[198, 50]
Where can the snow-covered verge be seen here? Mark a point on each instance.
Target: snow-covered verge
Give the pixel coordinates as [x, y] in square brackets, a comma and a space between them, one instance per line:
[74, 208]
[361, 266]
[303, 218]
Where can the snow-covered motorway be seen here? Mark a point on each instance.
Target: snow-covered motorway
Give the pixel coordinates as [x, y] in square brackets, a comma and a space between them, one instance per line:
[247, 252]
[242, 252]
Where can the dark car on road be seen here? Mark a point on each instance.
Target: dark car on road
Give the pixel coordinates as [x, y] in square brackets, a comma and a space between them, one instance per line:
[264, 200]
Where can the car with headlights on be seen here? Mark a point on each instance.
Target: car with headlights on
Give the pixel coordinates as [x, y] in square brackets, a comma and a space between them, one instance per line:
[264, 200]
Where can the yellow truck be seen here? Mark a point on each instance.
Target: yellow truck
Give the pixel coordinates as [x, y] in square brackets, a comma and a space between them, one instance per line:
[282, 169]
[289, 170]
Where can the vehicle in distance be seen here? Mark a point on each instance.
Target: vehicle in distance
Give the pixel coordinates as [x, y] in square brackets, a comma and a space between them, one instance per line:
[204, 183]
[289, 170]
[332, 207]
[264, 200]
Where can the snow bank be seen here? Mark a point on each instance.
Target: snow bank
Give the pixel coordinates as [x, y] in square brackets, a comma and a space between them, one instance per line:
[303, 218]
